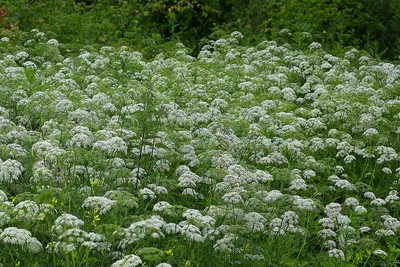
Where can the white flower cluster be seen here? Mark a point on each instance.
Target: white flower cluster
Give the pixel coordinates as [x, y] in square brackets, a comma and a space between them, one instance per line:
[147, 194]
[22, 238]
[26, 210]
[275, 158]
[223, 161]
[189, 179]
[100, 204]
[190, 232]
[226, 244]
[97, 242]
[255, 222]
[10, 170]
[161, 206]
[150, 228]
[64, 222]
[200, 220]
[336, 254]
[298, 184]
[41, 148]
[71, 238]
[128, 261]
[386, 154]
[232, 198]
[333, 210]
[304, 203]
[392, 197]
[287, 223]
[391, 223]
[112, 146]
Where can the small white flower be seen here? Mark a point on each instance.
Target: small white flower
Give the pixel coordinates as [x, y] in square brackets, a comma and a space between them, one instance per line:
[113, 145]
[3, 196]
[343, 220]
[289, 218]
[370, 131]
[369, 195]
[232, 198]
[298, 184]
[101, 204]
[21, 237]
[188, 179]
[349, 159]
[330, 244]
[386, 170]
[379, 252]
[128, 261]
[10, 170]
[304, 203]
[333, 209]
[53, 42]
[146, 193]
[273, 195]
[364, 229]
[307, 174]
[191, 232]
[326, 233]
[66, 221]
[351, 201]
[4, 218]
[255, 222]
[360, 209]
[315, 46]
[391, 223]
[336, 253]
[191, 192]
[225, 244]
[378, 202]
[384, 232]
[327, 223]
[26, 210]
[237, 35]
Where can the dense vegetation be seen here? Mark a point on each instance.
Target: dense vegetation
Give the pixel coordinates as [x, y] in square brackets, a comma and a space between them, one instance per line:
[122, 146]
[146, 25]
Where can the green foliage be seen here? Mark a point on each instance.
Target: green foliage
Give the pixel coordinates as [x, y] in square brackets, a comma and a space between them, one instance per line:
[144, 25]
[369, 24]
[147, 25]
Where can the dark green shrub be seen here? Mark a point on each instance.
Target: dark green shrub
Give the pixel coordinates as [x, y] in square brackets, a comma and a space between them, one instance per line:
[147, 24]
[139, 23]
[370, 24]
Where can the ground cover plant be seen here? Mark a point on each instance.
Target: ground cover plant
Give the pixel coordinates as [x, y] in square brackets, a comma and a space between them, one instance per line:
[241, 156]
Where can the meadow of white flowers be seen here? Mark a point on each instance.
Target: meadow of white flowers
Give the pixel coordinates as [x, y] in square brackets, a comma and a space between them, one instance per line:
[242, 156]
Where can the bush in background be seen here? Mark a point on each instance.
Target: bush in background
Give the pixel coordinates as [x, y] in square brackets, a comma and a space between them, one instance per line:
[147, 24]
[369, 24]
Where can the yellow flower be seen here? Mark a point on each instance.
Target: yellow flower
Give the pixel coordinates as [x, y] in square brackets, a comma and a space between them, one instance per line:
[18, 264]
[169, 252]
[187, 263]
[94, 182]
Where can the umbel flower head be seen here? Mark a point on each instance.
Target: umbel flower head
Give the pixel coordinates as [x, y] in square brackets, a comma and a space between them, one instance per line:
[64, 222]
[22, 238]
[10, 170]
[101, 204]
[128, 261]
